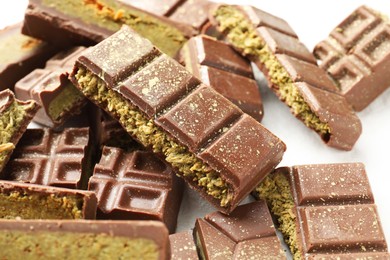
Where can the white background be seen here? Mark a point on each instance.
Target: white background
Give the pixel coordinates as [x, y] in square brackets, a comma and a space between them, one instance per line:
[312, 21]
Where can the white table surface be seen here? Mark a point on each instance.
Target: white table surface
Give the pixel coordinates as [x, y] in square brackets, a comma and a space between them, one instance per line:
[312, 21]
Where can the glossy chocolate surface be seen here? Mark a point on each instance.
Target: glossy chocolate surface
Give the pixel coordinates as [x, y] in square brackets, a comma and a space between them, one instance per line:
[183, 246]
[136, 185]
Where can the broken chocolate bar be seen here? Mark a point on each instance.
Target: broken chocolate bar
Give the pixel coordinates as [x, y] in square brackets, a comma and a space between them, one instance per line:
[217, 149]
[51, 88]
[20, 54]
[30, 201]
[218, 65]
[291, 72]
[76, 22]
[357, 56]
[183, 246]
[62, 159]
[83, 239]
[15, 115]
[136, 185]
[246, 233]
[325, 211]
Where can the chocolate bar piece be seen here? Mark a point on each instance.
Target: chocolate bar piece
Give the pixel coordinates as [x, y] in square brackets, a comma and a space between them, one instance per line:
[83, 239]
[357, 56]
[325, 211]
[247, 233]
[51, 88]
[20, 54]
[30, 201]
[291, 72]
[136, 185]
[15, 115]
[218, 65]
[183, 246]
[62, 159]
[76, 22]
[217, 149]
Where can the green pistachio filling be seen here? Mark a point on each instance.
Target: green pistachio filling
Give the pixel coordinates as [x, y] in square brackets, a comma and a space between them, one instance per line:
[10, 123]
[64, 102]
[36, 206]
[275, 189]
[111, 15]
[66, 245]
[146, 132]
[242, 35]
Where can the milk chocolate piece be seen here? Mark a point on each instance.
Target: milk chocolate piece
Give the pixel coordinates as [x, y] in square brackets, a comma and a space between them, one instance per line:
[31, 201]
[247, 233]
[136, 185]
[51, 88]
[287, 64]
[330, 211]
[77, 22]
[219, 66]
[62, 159]
[188, 124]
[85, 239]
[15, 115]
[20, 54]
[183, 246]
[357, 56]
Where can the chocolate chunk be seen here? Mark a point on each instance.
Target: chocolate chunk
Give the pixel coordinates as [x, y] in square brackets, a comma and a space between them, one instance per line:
[62, 159]
[357, 54]
[330, 211]
[87, 239]
[89, 22]
[51, 88]
[246, 232]
[20, 54]
[219, 66]
[136, 185]
[183, 246]
[31, 201]
[287, 64]
[15, 115]
[189, 127]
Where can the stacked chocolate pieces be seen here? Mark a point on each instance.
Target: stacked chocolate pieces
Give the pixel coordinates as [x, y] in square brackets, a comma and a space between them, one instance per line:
[357, 56]
[291, 71]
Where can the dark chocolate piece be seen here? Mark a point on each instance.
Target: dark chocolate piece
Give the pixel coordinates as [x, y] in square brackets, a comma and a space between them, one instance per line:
[357, 56]
[218, 65]
[31, 201]
[183, 246]
[246, 233]
[136, 185]
[77, 22]
[325, 210]
[51, 88]
[219, 151]
[15, 115]
[62, 159]
[83, 239]
[20, 54]
[287, 64]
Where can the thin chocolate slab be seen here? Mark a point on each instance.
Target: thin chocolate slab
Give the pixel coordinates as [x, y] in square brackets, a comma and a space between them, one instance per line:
[136, 185]
[219, 66]
[51, 88]
[31, 201]
[196, 158]
[47, 157]
[15, 115]
[183, 246]
[286, 64]
[49, 239]
[331, 211]
[20, 55]
[357, 54]
[247, 233]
